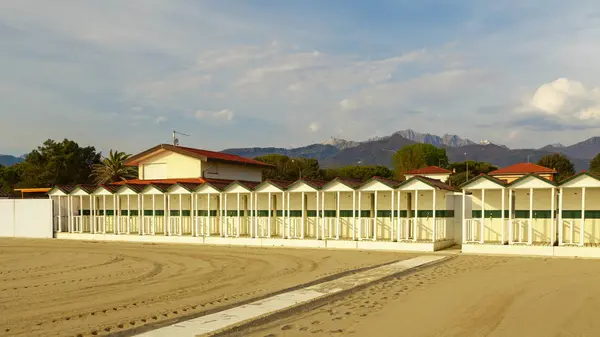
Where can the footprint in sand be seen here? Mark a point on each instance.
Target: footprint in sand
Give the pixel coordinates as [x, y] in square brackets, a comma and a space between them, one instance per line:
[287, 327]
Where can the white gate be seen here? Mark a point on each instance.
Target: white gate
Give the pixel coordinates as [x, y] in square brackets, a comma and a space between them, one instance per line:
[366, 229]
[407, 230]
[520, 231]
[293, 228]
[174, 226]
[231, 226]
[473, 231]
[261, 227]
[571, 232]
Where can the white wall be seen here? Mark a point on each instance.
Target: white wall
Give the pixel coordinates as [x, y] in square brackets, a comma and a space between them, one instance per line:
[177, 166]
[26, 218]
[233, 172]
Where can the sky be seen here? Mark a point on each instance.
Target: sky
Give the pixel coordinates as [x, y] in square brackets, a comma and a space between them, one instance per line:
[124, 74]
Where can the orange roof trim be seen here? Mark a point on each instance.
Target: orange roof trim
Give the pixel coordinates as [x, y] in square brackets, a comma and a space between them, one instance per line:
[522, 168]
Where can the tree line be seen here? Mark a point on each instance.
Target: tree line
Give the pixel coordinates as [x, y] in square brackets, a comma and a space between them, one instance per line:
[68, 163]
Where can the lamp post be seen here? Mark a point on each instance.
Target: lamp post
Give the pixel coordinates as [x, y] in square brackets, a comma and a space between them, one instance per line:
[299, 169]
[467, 163]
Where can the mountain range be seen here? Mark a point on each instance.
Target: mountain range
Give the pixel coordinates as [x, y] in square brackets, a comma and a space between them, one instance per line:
[7, 160]
[339, 152]
[336, 152]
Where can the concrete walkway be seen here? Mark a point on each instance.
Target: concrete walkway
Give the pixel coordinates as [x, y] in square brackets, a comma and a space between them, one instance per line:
[235, 317]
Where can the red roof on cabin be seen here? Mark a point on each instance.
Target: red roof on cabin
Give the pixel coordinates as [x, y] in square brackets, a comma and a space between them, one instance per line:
[429, 170]
[198, 153]
[522, 168]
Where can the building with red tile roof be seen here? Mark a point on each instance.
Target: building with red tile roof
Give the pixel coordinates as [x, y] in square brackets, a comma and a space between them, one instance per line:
[433, 172]
[171, 164]
[511, 173]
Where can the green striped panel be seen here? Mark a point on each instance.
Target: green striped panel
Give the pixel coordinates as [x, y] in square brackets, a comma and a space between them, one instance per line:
[520, 214]
[576, 214]
[494, 214]
[591, 214]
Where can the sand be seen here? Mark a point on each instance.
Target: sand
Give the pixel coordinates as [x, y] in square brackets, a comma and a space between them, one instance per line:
[466, 296]
[71, 288]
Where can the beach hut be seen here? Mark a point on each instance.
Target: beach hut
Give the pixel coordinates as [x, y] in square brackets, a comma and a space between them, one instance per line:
[338, 208]
[487, 219]
[60, 197]
[235, 220]
[427, 206]
[378, 205]
[579, 218]
[304, 207]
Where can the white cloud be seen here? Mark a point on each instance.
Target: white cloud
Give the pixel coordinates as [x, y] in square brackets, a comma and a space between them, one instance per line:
[175, 56]
[223, 115]
[566, 99]
[314, 127]
[348, 104]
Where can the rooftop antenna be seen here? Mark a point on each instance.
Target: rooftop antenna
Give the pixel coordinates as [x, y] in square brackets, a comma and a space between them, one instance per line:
[175, 139]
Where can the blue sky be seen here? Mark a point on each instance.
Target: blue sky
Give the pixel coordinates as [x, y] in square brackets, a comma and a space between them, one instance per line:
[123, 74]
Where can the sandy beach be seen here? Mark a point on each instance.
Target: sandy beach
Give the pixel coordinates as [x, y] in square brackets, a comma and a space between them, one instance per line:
[70, 288]
[466, 296]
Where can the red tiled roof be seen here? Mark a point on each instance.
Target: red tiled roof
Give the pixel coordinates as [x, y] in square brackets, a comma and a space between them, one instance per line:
[198, 153]
[225, 156]
[429, 170]
[522, 168]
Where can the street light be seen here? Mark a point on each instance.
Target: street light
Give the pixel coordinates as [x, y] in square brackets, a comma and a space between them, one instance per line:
[299, 169]
[467, 163]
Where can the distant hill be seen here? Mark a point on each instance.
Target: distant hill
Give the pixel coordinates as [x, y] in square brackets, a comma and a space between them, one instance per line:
[7, 160]
[379, 151]
[316, 151]
[375, 152]
[417, 137]
[587, 149]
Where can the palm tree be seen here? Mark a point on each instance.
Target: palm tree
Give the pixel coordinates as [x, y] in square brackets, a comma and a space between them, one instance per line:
[111, 169]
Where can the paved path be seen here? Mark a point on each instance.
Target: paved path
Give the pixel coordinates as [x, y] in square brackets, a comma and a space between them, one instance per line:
[246, 313]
